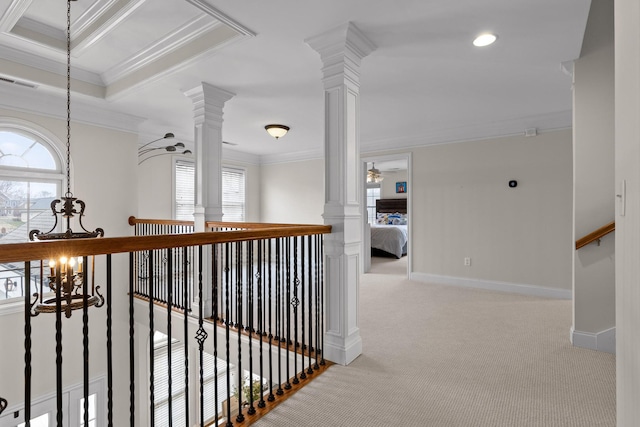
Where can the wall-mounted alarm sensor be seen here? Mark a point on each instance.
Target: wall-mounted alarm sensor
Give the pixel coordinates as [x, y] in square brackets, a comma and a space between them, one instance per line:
[513, 183]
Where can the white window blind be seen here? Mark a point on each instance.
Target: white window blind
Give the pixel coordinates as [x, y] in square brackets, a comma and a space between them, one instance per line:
[161, 381]
[232, 194]
[161, 385]
[185, 193]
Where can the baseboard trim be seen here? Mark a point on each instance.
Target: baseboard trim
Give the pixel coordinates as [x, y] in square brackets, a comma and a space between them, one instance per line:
[600, 341]
[531, 290]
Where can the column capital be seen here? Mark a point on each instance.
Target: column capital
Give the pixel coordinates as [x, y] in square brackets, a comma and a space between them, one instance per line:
[208, 101]
[341, 50]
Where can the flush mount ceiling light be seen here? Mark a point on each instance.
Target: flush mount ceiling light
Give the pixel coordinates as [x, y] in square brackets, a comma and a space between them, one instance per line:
[277, 131]
[485, 39]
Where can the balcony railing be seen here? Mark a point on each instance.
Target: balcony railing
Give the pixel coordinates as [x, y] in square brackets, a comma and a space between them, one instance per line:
[250, 298]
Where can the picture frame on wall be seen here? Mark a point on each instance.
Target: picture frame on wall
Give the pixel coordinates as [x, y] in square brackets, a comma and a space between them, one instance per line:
[401, 187]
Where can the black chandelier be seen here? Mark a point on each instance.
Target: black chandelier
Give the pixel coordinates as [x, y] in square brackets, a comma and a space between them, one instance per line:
[145, 152]
[67, 275]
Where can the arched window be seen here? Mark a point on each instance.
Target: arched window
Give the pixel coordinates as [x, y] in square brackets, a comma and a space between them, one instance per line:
[31, 177]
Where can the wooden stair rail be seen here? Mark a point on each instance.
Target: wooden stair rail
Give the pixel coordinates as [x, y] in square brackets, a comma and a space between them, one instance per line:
[15, 252]
[210, 224]
[595, 235]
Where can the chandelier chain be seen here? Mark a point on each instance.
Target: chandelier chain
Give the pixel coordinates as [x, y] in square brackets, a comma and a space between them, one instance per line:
[68, 99]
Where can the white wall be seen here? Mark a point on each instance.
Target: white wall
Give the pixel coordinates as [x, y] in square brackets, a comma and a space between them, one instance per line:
[293, 192]
[627, 156]
[593, 142]
[104, 168]
[463, 207]
[155, 188]
[388, 186]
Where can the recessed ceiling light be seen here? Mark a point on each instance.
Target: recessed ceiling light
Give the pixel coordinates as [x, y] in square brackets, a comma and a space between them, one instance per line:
[484, 39]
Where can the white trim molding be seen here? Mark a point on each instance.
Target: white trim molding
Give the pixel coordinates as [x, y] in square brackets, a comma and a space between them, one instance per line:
[492, 285]
[600, 341]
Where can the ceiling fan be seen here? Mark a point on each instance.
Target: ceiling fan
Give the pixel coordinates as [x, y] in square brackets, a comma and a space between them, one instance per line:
[374, 175]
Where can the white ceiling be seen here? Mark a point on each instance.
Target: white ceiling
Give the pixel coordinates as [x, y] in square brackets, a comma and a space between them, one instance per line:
[425, 82]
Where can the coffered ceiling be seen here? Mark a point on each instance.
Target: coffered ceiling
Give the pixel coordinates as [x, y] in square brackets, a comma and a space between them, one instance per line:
[424, 83]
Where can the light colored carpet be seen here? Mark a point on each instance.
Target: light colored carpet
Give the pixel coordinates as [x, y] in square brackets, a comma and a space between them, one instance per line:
[446, 356]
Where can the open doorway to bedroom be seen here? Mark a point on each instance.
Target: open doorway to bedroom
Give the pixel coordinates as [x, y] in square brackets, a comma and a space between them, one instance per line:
[386, 204]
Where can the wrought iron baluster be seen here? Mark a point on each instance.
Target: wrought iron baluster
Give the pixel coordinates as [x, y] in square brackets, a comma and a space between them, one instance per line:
[317, 302]
[260, 285]
[295, 302]
[271, 397]
[310, 299]
[201, 335]
[185, 302]
[27, 346]
[279, 338]
[85, 344]
[321, 294]
[227, 331]
[169, 281]
[133, 275]
[58, 348]
[239, 293]
[109, 345]
[303, 373]
[285, 306]
[216, 278]
[152, 413]
[250, 292]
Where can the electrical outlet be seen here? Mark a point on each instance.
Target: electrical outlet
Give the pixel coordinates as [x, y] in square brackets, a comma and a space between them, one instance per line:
[467, 261]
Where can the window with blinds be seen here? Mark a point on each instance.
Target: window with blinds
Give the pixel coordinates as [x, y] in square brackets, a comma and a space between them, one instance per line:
[184, 190]
[233, 192]
[161, 382]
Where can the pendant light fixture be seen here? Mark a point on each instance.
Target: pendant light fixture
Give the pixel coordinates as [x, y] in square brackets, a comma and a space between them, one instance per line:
[68, 276]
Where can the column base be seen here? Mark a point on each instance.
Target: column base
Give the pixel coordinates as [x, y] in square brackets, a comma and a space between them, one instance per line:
[343, 353]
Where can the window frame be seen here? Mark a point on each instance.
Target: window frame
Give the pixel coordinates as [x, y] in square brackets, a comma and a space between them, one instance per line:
[55, 176]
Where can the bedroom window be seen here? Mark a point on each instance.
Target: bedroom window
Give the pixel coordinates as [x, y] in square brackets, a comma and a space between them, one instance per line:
[233, 192]
[373, 194]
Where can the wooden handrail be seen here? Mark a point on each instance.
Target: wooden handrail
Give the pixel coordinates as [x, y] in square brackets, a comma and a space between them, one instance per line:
[133, 221]
[209, 224]
[15, 252]
[595, 235]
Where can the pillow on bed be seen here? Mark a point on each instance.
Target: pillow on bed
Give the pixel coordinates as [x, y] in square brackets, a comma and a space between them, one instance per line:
[381, 218]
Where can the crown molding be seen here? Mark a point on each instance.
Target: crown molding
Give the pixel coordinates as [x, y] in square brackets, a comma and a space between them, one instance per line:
[229, 154]
[90, 16]
[269, 159]
[16, 9]
[36, 101]
[45, 64]
[543, 122]
[41, 28]
[83, 42]
[218, 15]
[182, 36]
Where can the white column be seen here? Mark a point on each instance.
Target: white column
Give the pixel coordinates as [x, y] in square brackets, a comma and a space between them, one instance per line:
[627, 190]
[342, 50]
[208, 104]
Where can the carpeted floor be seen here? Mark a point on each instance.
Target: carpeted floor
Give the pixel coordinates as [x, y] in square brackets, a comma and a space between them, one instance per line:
[441, 356]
